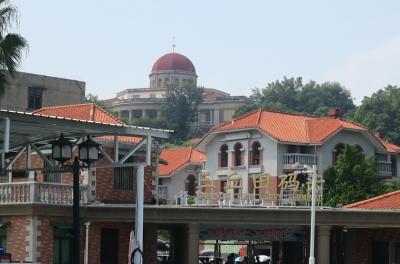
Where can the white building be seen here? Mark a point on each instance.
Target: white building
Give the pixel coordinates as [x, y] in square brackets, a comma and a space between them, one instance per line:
[174, 68]
[277, 143]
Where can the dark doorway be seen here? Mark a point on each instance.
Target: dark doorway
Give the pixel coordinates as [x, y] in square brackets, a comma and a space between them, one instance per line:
[109, 246]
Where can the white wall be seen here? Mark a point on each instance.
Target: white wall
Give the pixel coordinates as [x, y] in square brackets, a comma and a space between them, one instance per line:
[345, 137]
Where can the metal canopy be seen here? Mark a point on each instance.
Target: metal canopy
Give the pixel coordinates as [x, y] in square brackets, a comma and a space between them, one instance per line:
[26, 128]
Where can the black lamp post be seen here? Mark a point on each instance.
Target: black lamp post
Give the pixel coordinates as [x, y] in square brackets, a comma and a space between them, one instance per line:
[88, 153]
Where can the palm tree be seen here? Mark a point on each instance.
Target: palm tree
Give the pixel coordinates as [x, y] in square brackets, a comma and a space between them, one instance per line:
[11, 44]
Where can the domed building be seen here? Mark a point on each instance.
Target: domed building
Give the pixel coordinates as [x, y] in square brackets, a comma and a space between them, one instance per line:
[174, 69]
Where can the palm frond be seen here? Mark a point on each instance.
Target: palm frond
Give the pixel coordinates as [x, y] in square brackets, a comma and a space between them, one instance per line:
[11, 48]
[8, 15]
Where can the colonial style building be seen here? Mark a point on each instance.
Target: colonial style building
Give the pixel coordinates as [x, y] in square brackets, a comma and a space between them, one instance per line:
[174, 69]
[28, 92]
[180, 174]
[43, 235]
[275, 143]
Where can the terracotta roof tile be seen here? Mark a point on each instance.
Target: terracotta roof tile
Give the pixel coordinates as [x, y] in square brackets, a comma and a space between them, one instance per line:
[178, 157]
[88, 111]
[386, 201]
[295, 128]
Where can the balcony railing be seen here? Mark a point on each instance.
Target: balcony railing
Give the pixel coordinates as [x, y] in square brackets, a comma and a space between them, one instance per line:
[297, 160]
[384, 168]
[39, 192]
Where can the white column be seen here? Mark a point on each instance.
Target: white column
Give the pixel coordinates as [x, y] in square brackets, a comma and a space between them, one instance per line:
[323, 245]
[139, 210]
[193, 243]
[87, 224]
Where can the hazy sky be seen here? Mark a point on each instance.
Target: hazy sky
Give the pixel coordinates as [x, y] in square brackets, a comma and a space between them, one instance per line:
[234, 45]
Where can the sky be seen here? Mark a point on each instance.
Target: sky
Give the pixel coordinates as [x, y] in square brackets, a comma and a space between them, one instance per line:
[234, 45]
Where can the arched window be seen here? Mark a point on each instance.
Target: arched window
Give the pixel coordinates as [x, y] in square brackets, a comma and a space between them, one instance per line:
[159, 83]
[223, 156]
[339, 148]
[255, 154]
[191, 185]
[237, 153]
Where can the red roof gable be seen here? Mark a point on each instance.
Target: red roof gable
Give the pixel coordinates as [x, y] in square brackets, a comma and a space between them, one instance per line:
[386, 201]
[178, 157]
[88, 112]
[289, 127]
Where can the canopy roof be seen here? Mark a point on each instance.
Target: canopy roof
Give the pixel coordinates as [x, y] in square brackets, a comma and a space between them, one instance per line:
[26, 128]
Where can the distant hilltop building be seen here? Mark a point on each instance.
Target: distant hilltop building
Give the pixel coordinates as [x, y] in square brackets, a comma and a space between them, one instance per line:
[174, 69]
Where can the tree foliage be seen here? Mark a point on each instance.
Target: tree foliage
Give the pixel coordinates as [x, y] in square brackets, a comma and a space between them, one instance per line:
[381, 112]
[180, 109]
[353, 178]
[91, 98]
[11, 44]
[290, 94]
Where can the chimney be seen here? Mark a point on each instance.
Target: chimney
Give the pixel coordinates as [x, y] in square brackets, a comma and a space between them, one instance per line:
[333, 112]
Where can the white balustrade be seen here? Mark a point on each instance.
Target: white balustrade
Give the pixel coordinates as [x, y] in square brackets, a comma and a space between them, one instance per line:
[292, 159]
[40, 192]
[384, 168]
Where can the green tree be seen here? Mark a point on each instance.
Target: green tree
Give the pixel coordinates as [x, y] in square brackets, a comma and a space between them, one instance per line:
[381, 112]
[11, 44]
[91, 98]
[290, 94]
[352, 179]
[180, 109]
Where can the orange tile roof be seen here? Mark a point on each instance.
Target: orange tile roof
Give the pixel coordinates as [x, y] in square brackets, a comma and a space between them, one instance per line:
[178, 157]
[386, 201]
[87, 111]
[121, 139]
[296, 128]
[389, 146]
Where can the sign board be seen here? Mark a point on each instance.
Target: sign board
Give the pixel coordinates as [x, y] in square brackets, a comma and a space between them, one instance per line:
[251, 232]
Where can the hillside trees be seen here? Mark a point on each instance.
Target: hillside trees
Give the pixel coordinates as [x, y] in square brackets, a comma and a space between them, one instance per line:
[381, 113]
[290, 94]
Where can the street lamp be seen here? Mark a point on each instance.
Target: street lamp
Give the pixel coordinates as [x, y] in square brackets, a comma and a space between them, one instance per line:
[88, 153]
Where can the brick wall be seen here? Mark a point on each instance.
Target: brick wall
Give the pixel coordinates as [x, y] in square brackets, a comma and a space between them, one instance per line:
[95, 240]
[102, 179]
[365, 237]
[17, 235]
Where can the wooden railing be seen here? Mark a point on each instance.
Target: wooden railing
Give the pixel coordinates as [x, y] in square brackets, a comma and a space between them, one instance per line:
[292, 160]
[384, 168]
[39, 192]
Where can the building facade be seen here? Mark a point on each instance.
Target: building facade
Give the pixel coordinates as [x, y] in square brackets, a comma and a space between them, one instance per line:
[174, 69]
[278, 143]
[28, 92]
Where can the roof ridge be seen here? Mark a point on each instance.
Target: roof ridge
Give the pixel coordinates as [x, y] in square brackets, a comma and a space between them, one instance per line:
[108, 113]
[372, 199]
[60, 106]
[259, 117]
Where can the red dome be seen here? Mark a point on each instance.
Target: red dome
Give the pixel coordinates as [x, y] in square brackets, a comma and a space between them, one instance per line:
[173, 61]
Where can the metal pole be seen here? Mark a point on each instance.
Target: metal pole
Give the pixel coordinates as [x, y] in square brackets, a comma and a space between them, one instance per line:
[312, 232]
[86, 261]
[75, 213]
[139, 211]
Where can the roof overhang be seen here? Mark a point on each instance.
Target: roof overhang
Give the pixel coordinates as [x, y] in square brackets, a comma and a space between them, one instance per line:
[25, 128]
